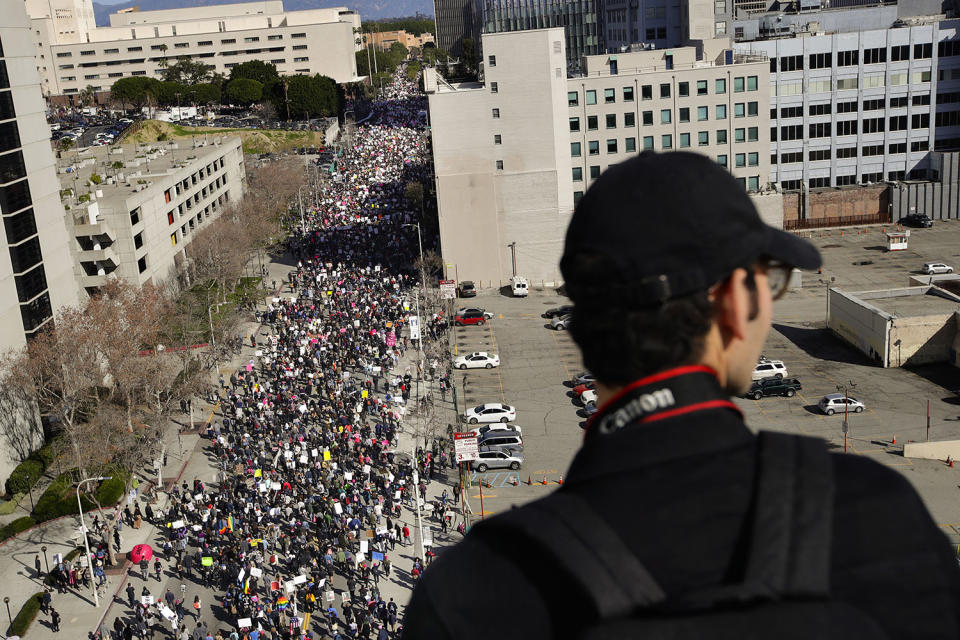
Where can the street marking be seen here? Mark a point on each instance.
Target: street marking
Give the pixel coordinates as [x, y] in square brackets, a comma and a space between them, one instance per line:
[562, 359]
[493, 341]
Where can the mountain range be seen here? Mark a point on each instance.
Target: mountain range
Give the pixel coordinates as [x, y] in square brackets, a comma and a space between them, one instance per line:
[368, 9]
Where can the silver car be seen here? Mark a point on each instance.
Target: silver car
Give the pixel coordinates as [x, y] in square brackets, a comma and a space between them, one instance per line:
[497, 460]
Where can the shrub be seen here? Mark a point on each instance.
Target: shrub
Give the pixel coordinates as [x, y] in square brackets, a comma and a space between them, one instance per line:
[110, 491]
[24, 476]
[17, 526]
[27, 615]
[95, 178]
[59, 500]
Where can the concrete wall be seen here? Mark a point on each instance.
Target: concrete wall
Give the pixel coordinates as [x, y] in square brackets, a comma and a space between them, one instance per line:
[933, 450]
[923, 339]
[939, 199]
[837, 202]
[859, 323]
[769, 205]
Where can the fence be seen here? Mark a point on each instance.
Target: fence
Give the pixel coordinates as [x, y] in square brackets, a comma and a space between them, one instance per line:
[837, 221]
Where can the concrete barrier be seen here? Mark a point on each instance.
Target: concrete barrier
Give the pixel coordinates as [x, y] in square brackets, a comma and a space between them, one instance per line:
[933, 450]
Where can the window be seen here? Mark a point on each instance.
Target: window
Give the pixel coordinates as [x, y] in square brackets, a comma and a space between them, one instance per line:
[630, 145]
[740, 160]
[665, 115]
[173, 239]
[701, 87]
[921, 99]
[298, 35]
[205, 43]
[871, 177]
[684, 114]
[920, 77]
[609, 96]
[703, 138]
[591, 96]
[820, 130]
[898, 123]
[703, 113]
[721, 136]
[15, 197]
[629, 119]
[846, 152]
[720, 85]
[594, 171]
[739, 135]
[683, 89]
[787, 63]
[20, 226]
[896, 80]
[847, 128]
[577, 195]
[753, 183]
[496, 113]
[184, 45]
[574, 124]
[739, 110]
[497, 138]
[492, 61]
[611, 121]
[646, 92]
[793, 112]
[575, 149]
[494, 87]
[138, 240]
[898, 148]
[792, 132]
[791, 158]
[684, 140]
[819, 154]
[873, 105]
[142, 264]
[899, 53]
[924, 50]
[628, 94]
[647, 143]
[666, 141]
[948, 48]
[577, 174]
[573, 98]
[920, 145]
[499, 165]
[721, 112]
[821, 60]
[920, 120]
[819, 86]
[753, 109]
[647, 118]
[612, 145]
[65, 54]
[665, 90]
[592, 123]
[848, 58]
[847, 107]
[593, 147]
[738, 85]
[87, 53]
[874, 56]
[722, 160]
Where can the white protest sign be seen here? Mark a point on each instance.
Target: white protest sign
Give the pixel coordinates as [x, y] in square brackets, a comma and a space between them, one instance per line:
[366, 469]
[242, 573]
[146, 600]
[364, 546]
[348, 475]
[178, 524]
[275, 486]
[167, 613]
[243, 623]
[337, 508]
[256, 572]
[289, 587]
[300, 579]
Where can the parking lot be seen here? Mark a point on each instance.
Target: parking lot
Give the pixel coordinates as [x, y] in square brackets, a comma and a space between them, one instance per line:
[536, 361]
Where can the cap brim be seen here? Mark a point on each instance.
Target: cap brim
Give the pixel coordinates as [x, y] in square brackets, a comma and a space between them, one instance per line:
[792, 249]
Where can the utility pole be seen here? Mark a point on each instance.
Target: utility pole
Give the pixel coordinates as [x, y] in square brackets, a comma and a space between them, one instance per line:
[513, 256]
[179, 114]
[846, 409]
[416, 491]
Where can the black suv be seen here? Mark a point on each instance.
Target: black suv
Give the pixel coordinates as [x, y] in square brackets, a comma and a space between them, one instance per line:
[917, 220]
[467, 290]
[773, 387]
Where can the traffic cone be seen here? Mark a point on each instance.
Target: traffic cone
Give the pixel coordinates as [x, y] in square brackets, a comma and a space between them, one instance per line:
[894, 441]
[516, 481]
[544, 479]
[529, 480]
[560, 481]
[950, 462]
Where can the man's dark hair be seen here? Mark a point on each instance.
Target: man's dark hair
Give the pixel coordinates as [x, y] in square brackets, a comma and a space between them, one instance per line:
[622, 345]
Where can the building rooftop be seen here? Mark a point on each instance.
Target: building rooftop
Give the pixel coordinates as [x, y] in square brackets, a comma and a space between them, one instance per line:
[912, 302]
[123, 170]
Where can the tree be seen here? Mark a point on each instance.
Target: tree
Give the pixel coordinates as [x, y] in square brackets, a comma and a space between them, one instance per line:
[137, 91]
[244, 91]
[431, 55]
[169, 93]
[262, 72]
[65, 143]
[312, 95]
[164, 62]
[204, 93]
[88, 95]
[187, 72]
[469, 54]
[399, 51]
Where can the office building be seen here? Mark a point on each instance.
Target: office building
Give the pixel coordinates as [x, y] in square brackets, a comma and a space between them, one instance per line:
[857, 96]
[385, 39]
[513, 154]
[658, 24]
[132, 209]
[36, 274]
[455, 20]
[71, 54]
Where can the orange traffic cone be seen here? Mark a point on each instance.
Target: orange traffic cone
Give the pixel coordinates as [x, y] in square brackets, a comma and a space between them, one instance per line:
[544, 479]
[516, 481]
[560, 481]
[950, 462]
[529, 480]
[894, 441]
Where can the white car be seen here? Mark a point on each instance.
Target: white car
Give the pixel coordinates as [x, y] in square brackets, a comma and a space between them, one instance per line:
[838, 403]
[490, 412]
[497, 460]
[589, 396]
[496, 426]
[769, 369]
[931, 268]
[477, 360]
[560, 323]
[584, 378]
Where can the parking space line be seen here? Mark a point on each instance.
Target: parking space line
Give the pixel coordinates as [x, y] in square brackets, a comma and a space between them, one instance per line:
[563, 360]
[493, 342]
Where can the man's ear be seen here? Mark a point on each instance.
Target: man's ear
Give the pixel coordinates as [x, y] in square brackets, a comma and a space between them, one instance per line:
[732, 304]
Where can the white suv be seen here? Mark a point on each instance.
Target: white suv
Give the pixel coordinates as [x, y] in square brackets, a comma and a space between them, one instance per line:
[931, 268]
[769, 369]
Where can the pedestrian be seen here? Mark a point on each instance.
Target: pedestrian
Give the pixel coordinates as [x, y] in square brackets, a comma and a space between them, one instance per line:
[55, 619]
[131, 595]
[196, 608]
[36, 566]
[144, 565]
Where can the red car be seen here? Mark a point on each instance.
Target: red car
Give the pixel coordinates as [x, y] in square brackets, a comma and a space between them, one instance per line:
[469, 317]
[580, 388]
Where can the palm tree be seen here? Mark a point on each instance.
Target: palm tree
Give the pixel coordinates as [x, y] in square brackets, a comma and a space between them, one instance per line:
[88, 96]
[164, 63]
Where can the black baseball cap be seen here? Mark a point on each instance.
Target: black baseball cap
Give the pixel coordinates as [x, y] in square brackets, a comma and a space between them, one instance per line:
[670, 224]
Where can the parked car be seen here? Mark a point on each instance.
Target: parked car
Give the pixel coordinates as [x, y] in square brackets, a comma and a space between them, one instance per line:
[497, 459]
[474, 317]
[590, 408]
[580, 388]
[917, 220]
[931, 268]
[769, 369]
[837, 403]
[560, 323]
[467, 290]
[584, 377]
[482, 430]
[490, 412]
[588, 396]
[502, 440]
[486, 314]
[477, 360]
[774, 387]
[558, 311]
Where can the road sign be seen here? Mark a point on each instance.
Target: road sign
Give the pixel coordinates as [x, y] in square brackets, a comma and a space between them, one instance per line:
[845, 428]
[448, 289]
[465, 446]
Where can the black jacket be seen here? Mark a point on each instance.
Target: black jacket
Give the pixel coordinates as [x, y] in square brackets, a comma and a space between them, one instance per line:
[678, 490]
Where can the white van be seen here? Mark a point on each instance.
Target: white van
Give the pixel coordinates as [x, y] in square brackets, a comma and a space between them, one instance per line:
[769, 369]
[520, 287]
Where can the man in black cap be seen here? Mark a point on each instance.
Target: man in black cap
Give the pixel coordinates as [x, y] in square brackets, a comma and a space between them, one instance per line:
[674, 516]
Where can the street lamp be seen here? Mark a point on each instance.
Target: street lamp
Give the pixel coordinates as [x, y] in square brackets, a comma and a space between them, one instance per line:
[303, 226]
[86, 541]
[423, 282]
[6, 601]
[45, 561]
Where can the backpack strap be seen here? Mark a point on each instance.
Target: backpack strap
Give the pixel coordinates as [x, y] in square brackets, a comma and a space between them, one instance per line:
[587, 549]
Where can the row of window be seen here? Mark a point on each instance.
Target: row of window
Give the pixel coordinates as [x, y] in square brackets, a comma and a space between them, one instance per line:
[826, 108]
[178, 45]
[684, 140]
[750, 183]
[740, 110]
[826, 85]
[816, 155]
[851, 179]
[898, 53]
[701, 87]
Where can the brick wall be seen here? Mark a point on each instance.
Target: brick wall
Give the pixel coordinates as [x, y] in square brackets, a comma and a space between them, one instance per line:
[840, 202]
